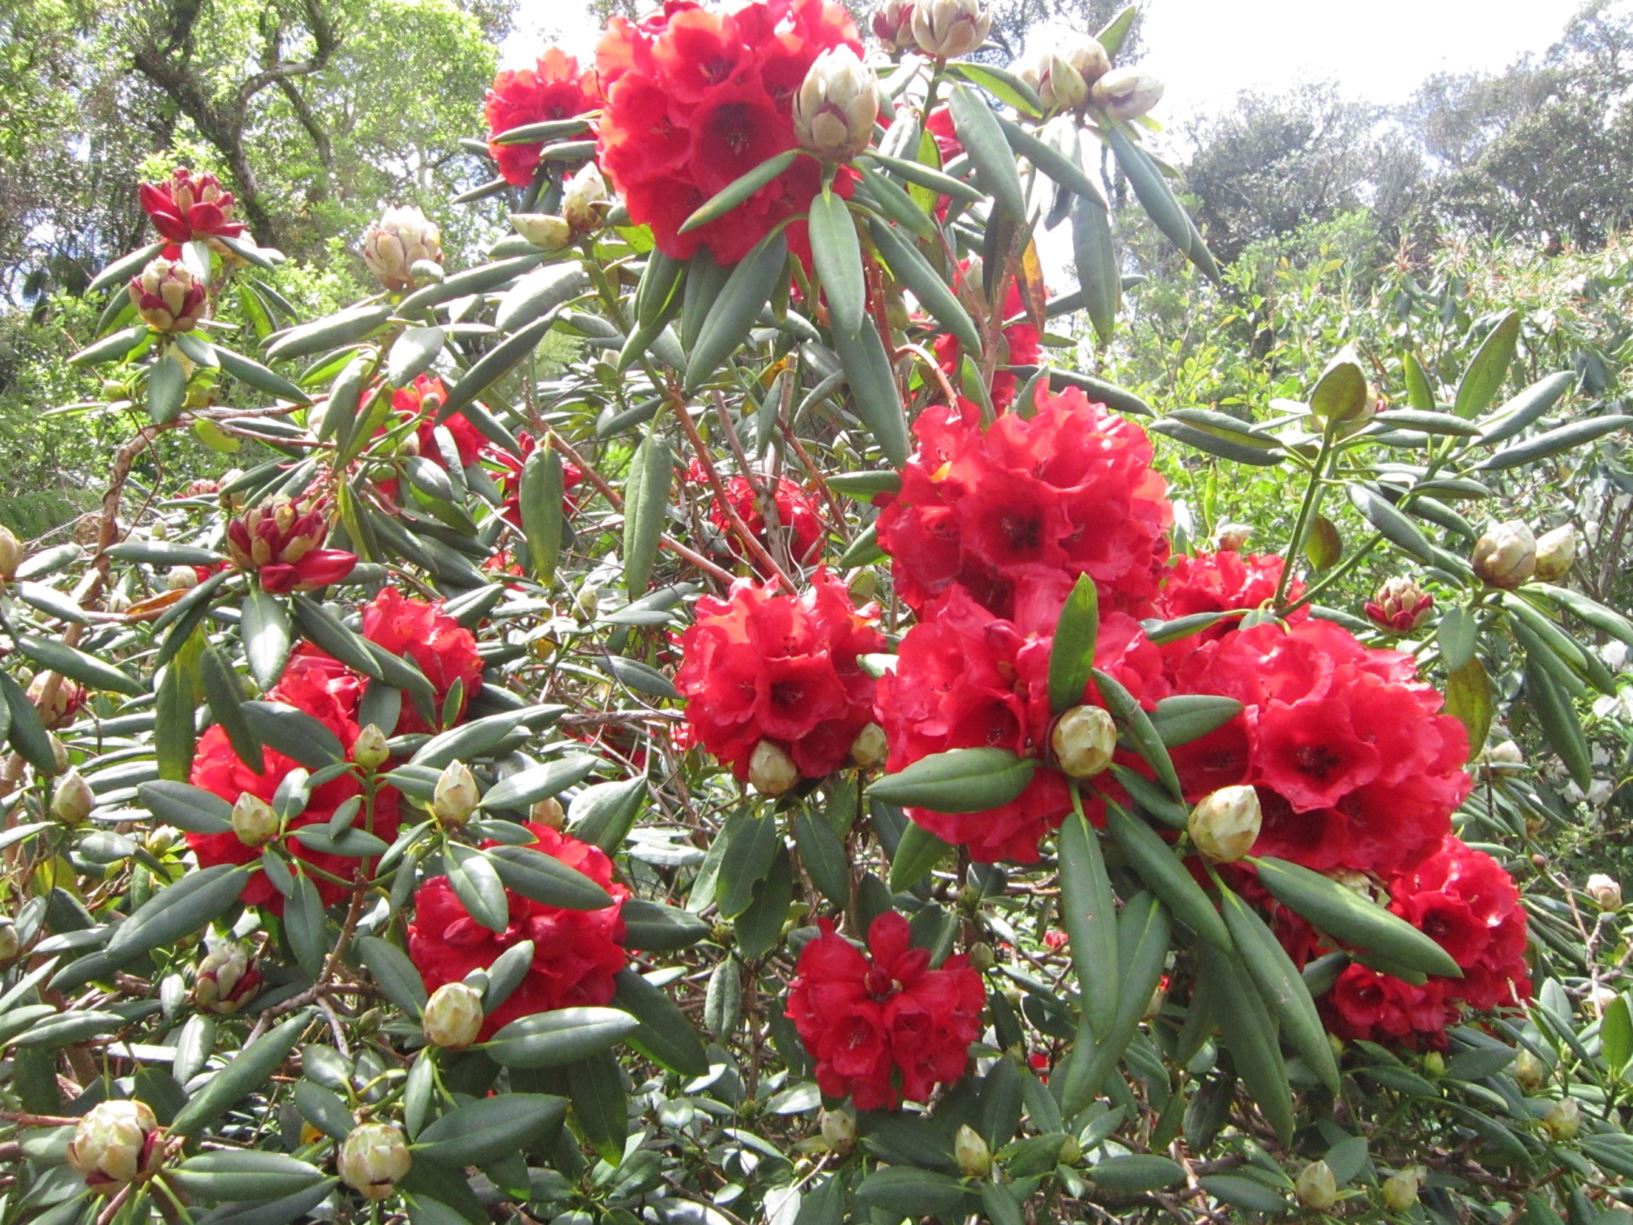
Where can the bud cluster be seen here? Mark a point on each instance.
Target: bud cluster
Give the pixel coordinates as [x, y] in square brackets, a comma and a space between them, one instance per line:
[281, 543]
[116, 1142]
[1399, 606]
[836, 106]
[403, 237]
[168, 297]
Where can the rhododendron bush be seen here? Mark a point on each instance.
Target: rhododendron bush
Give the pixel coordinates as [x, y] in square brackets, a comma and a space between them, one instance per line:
[715, 713]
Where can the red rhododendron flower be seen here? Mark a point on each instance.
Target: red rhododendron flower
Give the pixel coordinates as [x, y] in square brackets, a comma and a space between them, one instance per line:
[420, 403]
[1220, 582]
[189, 206]
[967, 679]
[280, 543]
[576, 953]
[552, 89]
[1070, 489]
[330, 697]
[883, 1027]
[442, 648]
[763, 666]
[797, 520]
[698, 96]
[1022, 347]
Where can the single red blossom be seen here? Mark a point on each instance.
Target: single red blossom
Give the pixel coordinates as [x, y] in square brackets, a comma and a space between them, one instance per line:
[442, 649]
[763, 666]
[798, 523]
[329, 696]
[883, 1026]
[420, 402]
[577, 954]
[188, 206]
[553, 89]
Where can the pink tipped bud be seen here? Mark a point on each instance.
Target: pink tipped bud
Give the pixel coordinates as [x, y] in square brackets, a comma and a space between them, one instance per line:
[1399, 606]
[836, 106]
[168, 297]
[374, 1158]
[400, 239]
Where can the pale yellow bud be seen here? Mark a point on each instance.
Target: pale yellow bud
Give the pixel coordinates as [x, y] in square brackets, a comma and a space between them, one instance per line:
[548, 812]
[11, 554]
[547, 231]
[838, 1131]
[373, 1159]
[1401, 1189]
[1506, 555]
[1225, 824]
[1528, 1070]
[585, 202]
[836, 105]
[254, 820]
[456, 796]
[1506, 754]
[771, 771]
[1232, 537]
[369, 749]
[946, 29]
[1556, 550]
[400, 239]
[1316, 1186]
[180, 578]
[73, 800]
[1083, 740]
[1127, 93]
[114, 1143]
[11, 943]
[1563, 1120]
[971, 1152]
[453, 1016]
[870, 749]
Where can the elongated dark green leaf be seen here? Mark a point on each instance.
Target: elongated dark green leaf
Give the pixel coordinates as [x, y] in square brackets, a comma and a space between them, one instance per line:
[664, 1034]
[1456, 636]
[1143, 937]
[1555, 441]
[1487, 369]
[1128, 712]
[178, 910]
[239, 1175]
[960, 780]
[264, 628]
[759, 928]
[488, 1128]
[538, 294]
[326, 630]
[225, 696]
[603, 813]
[1158, 201]
[732, 314]
[543, 517]
[1095, 255]
[123, 268]
[1088, 909]
[1190, 716]
[294, 733]
[646, 503]
[1468, 698]
[77, 665]
[906, 1191]
[1391, 523]
[559, 1038]
[984, 141]
[24, 730]
[916, 853]
[478, 887]
[1514, 416]
[329, 332]
[540, 782]
[875, 397]
[412, 354]
[544, 878]
[896, 203]
[914, 271]
[1071, 657]
[394, 974]
[250, 1069]
[739, 190]
[823, 856]
[166, 389]
[303, 921]
[1250, 1036]
[1057, 165]
[1167, 877]
[187, 807]
[1560, 725]
[836, 256]
[488, 370]
[1259, 454]
[929, 178]
[599, 1104]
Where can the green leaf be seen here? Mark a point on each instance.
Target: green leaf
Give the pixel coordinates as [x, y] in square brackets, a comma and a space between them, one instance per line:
[178, 910]
[1616, 1034]
[1457, 635]
[1560, 726]
[1345, 915]
[751, 842]
[823, 855]
[911, 1192]
[123, 268]
[1133, 1172]
[1341, 393]
[77, 665]
[559, 1038]
[175, 732]
[478, 886]
[24, 730]
[187, 807]
[488, 1128]
[544, 878]
[222, 691]
[330, 332]
[242, 1175]
[539, 782]
[914, 271]
[1143, 936]
[1095, 255]
[246, 370]
[732, 314]
[324, 1109]
[320, 626]
[1057, 165]
[599, 1105]
[603, 813]
[646, 503]
[1155, 863]
[836, 257]
[916, 853]
[1071, 657]
[1158, 201]
[1126, 709]
[304, 924]
[166, 389]
[1002, 84]
[249, 1070]
[664, 1035]
[759, 928]
[1469, 699]
[488, 370]
[1249, 1033]
[1089, 912]
[738, 190]
[264, 628]
[929, 178]
[543, 515]
[412, 354]
[1190, 716]
[983, 140]
[1393, 525]
[1516, 414]
[294, 733]
[394, 974]
[1418, 392]
[959, 780]
[538, 294]
[654, 927]
[874, 396]
[1487, 369]
[1555, 441]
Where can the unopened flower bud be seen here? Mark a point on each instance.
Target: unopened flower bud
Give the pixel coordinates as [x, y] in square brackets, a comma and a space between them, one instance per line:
[1434, 1065]
[373, 1159]
[1506, 754]
[547, 231]
[1059, 86]
[1083, 741]
[1071, 1152]
[1126, 93]
[1564, 1119]
[1232, 537]
[585, 202]
[453, 1016]
[1225, 824]
[1556, 550]
[1401, 1189]
[1600, 998]
[11, 943]
[548, 812]
[1605, 891]
[771, 771]
[838, 1131]
[73, 800]
[982, 957]
[254, 820]
[180, 578]
[945, 29]
[836, 105]
[59, 753]
[1506, 555]
[400, 239]
[227, 979]
[1316, 1187]
[1399, 606]
[1528, 1071]
[369, 749]
[115, 1143]
[893, 24]
[971, 1152]
[456, 796]
[870, 748]
[11, 554]
[168, 297]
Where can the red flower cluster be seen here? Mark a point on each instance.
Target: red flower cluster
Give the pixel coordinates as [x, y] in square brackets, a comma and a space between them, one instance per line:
[967, 679]
[576, 953]
[1221, 582]
[189, 206]
[554, 88]
[281, 544]
[1069, 490]
[1354, 764]
[1468, 904]
[318, 691]
[886, 1027]
[697, 97]
[797, 520]
[1022, 347]
[762, 666]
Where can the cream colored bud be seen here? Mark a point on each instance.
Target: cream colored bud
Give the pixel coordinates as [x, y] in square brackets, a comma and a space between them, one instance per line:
[373, 1159]
[870, 748]
[585, 202]
[838, 1131]
[771, 771]
[982, 956]
[1434, 1065]
[1556, 550]
[1605, 891]
[945, 29]
[1086, 56]
[11, 554]
[1506, 555]
[1083, 740]
[180, 578]
[1564, 1119]
[1225, 824]
[836, 106]
[73, 800]
[1232, 537]
[546, 231]
[453, 1016]
[1600, 998]
[1126, 93]
[59, 753]
[227, 979]
[456, 796]
[1506, 754]
[11, 943]
[1071, 1152]
[1316, 1186]
[254, 820]
[971, 1152]
[400, 239]
[548, 812]
[1529, 1072]
[1401, 1189]
[369, 749]
[893, 24]
[1059, 86]
[113, 1144]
